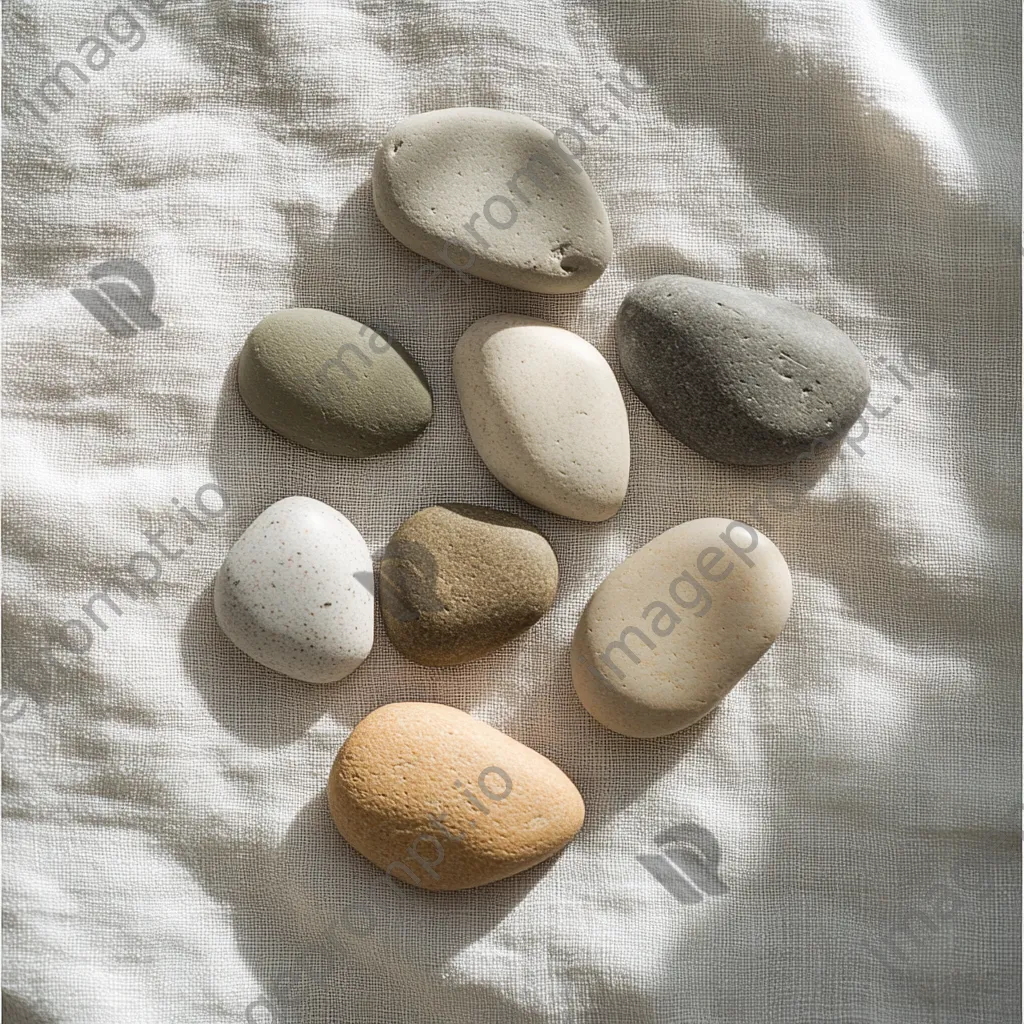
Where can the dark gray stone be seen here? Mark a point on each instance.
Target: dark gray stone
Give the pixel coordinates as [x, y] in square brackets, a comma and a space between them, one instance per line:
[739, 376]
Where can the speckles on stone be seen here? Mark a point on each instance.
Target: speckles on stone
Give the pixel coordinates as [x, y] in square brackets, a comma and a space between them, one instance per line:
[287, 596]
[739, 376]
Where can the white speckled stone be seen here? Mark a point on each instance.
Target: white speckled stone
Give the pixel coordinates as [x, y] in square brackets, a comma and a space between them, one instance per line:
[494, 194]
[288, 596]
[546, 415]
[674, 628]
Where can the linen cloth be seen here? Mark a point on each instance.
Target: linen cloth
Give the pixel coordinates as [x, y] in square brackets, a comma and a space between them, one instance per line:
[837, 843]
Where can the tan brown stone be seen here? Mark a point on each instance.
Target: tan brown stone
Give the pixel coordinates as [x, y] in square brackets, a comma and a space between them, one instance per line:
[458, 581]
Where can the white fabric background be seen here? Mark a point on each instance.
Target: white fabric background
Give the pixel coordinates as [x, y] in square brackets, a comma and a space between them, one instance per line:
[168, 856]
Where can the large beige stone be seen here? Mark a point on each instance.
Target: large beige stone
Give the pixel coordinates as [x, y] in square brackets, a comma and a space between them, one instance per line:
[545, 413]
[674, 628]
[493, 194]
[440, 800]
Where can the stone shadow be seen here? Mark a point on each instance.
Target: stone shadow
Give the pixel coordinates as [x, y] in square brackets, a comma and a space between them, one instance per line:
[321, 926]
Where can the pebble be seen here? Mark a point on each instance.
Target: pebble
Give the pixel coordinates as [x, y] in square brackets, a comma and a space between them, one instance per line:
[674, 628]
[442, 801]
[459, 581]
[736, 375]
[332, 384]
[546, 415]
[288, 594]
[495, 195]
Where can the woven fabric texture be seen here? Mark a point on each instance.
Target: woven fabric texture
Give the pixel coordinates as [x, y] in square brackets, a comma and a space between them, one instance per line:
[837, 843]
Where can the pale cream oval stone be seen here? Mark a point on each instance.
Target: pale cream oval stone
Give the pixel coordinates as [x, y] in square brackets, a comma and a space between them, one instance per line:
[674, 628]
[440, 800]
[546, 414]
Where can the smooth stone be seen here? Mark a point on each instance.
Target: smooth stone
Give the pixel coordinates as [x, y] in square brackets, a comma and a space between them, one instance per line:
[442, 801]
[295, 592]
[492, 194]
[738, 376]
[674, 628]
[546, 415]
[458, 581]
[332, 384]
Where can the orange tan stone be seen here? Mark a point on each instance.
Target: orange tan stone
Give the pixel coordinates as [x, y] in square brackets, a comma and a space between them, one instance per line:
[442, 801]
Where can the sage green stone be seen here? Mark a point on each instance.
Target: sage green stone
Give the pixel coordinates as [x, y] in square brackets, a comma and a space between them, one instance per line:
[332, 384]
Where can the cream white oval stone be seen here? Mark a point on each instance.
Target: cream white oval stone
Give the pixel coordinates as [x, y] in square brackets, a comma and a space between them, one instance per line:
[545, 413]
[674, 628]
[295, 592]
